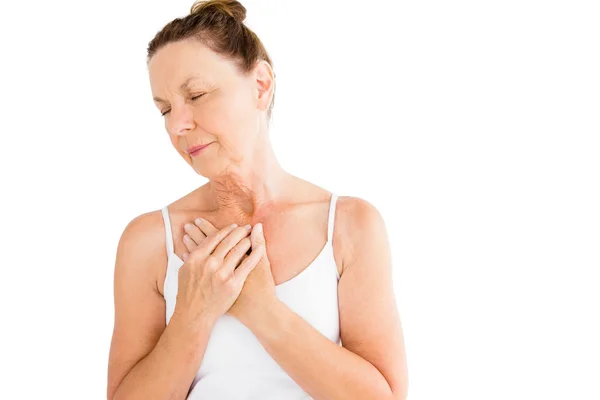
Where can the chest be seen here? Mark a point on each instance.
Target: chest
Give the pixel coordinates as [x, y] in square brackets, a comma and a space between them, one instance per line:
[292, 246]
[294, 240]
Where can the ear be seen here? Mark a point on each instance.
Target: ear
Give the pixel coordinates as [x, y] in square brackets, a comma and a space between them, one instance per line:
[265, 84]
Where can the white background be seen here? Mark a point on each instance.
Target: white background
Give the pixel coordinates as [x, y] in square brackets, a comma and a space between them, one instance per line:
[471, 125]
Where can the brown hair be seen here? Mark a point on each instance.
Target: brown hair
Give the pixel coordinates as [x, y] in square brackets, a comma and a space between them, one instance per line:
[219, 24]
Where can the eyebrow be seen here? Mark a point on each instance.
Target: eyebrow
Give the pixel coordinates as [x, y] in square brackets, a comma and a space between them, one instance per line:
[184, 86]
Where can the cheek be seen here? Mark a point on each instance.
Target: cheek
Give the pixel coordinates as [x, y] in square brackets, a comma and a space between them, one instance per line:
[232, 115]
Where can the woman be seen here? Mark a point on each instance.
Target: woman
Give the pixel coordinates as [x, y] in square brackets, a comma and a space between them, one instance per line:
[242, 300]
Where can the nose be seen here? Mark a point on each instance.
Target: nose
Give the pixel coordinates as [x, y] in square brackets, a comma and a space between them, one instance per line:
[181, 121]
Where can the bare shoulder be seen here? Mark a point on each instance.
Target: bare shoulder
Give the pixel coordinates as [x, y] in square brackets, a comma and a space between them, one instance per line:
[355, 220]
[356, 210]
[144, 239]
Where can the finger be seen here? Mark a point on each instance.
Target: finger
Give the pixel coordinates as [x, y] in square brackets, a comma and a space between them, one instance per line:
[257, 236]
[189, 243]
[230, 241]
[205, 226]
[248, 264]
[235, 255]
[211, 242]
[194, 232]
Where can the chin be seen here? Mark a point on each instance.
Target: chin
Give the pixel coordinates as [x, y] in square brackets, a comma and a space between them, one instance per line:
[208, 169]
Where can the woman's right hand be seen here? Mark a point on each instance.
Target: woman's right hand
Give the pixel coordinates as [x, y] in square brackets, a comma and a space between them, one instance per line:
[209, 282]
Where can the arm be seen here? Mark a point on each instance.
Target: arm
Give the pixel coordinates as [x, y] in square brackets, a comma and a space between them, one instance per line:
[147, 360]
[372, 363]
[169, 369]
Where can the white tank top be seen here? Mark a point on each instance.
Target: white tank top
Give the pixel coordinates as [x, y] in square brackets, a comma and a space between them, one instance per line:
[235, 365]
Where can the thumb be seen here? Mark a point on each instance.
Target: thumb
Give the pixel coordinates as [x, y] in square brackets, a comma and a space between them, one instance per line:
[257, 236]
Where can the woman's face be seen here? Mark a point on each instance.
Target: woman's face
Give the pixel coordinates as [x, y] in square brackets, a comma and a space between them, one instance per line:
[206, 100]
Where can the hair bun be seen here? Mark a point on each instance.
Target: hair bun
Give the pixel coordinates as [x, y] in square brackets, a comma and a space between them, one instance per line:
[232, 8]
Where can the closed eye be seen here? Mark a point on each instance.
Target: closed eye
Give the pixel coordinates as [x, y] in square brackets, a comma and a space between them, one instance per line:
[193, 98]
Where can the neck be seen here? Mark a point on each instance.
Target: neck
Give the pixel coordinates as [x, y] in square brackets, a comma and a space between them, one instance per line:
[249, 190]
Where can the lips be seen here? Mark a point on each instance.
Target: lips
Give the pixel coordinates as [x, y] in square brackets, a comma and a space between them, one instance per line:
[196, 148]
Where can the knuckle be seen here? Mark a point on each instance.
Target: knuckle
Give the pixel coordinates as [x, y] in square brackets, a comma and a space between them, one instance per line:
[211, 262]
[242, 246]
[226, 239]
[244, 232]
[230, 285]
[205, 243]
[192, 257]
[232, 228]
[222, 275]
[218, 237]
[226, 229]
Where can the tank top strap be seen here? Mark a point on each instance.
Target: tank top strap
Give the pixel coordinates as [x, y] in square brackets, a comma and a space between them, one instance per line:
[331, 220]
[168, 232]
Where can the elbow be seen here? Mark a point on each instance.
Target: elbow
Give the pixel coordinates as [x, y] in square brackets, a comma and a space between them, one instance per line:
[113, 393]
[400, 393]
[390, 394]
[397, 395]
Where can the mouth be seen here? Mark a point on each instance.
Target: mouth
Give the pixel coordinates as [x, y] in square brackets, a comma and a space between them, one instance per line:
[195, 150]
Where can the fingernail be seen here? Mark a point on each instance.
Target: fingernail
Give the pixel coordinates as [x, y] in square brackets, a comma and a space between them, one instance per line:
[187, 227]
[248, 227]
[199, 221]
[258, 227]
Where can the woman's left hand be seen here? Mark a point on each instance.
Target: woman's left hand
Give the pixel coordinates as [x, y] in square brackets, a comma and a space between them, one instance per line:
[258, 292]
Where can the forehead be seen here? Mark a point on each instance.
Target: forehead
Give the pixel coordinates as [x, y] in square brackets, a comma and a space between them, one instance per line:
[177, 62]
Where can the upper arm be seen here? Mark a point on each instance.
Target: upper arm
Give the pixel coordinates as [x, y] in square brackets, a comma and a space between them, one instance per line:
[369, 320]
[139, 307]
